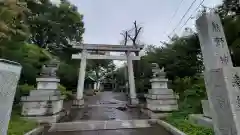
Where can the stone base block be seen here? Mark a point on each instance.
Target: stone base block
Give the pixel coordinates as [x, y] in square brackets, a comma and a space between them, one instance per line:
[47, 83]
[161, 91]
[160, 97]
[201, 120]
[163, 108]
[41, 98]
[155, 115]
[78, 102]
[158, 84]
[158, 80]
[46, 119]
[162, 102]
[45, 93]
[41, 108]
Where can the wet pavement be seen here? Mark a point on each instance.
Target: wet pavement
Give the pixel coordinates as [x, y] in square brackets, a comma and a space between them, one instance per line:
[108, 106]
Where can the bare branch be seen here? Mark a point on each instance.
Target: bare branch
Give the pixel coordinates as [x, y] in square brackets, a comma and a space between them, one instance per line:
[125, 37]
[136, 31]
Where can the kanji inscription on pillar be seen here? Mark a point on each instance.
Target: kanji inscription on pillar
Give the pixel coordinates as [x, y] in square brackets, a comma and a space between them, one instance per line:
[213, 42]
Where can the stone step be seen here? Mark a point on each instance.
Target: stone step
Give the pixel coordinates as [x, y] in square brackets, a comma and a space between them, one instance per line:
[44, 92]
[107, 105]
[40, 98]
[162, 107]
[201, 120]
[100, 125]
[159, 80]
[162, 102]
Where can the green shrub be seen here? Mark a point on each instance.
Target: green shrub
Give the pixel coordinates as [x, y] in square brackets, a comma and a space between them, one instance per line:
[193, 97]
[67, 94]
[22, 90]
[190, 97]
[191, 91]
[25, 89]
[181, 84]
[181, 123]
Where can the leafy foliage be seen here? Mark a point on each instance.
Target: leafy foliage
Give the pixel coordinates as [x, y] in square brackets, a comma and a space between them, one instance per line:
[12, 23]
[68, 74]
[190, 98]
[67, 94]
[184, 125]
[30, 56]
[55, 27]
[22, 90]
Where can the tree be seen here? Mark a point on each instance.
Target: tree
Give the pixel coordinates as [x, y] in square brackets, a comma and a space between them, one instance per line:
[31, 58]
[229, 7]
[133, 34]
[125, 37]
[100, 68]
[12, 23]
[55, 27]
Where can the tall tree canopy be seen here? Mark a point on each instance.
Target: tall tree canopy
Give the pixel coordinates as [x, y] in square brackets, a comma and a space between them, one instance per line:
[54, 27]
[12, 23]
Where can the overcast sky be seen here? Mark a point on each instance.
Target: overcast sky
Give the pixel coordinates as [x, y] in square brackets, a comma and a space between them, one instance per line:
[105, 19]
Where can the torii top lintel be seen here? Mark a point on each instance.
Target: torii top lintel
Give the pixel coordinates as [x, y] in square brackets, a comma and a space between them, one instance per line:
[107, 47]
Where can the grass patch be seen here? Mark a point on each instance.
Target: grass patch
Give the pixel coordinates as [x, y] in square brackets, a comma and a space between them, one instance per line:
[18, 125]
[182, 123]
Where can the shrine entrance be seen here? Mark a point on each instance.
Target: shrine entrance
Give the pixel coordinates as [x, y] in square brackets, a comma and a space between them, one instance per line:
[84, 55]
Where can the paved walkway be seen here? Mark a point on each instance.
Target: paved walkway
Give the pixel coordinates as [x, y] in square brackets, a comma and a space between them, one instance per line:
[108, 106]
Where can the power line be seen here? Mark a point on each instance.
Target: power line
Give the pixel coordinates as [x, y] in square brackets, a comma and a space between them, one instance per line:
[191, 16]
[174, 14]
[183, 17]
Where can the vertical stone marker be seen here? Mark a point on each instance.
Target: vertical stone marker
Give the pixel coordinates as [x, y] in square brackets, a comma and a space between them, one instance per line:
[221, 78]
[213, 42]
[9, 76]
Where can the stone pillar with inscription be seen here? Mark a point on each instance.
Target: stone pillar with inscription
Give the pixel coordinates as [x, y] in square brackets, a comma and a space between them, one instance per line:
[9, 75]
[221, 78]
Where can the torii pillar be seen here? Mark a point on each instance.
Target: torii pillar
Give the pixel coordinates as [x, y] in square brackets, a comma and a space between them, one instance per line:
[133, 100]
[79, 101]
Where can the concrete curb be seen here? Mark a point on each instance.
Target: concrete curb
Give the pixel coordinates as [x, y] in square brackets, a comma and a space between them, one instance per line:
[35, 131]
[170, 128]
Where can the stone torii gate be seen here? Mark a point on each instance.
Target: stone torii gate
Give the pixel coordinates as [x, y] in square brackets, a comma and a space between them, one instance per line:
[84, 55]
